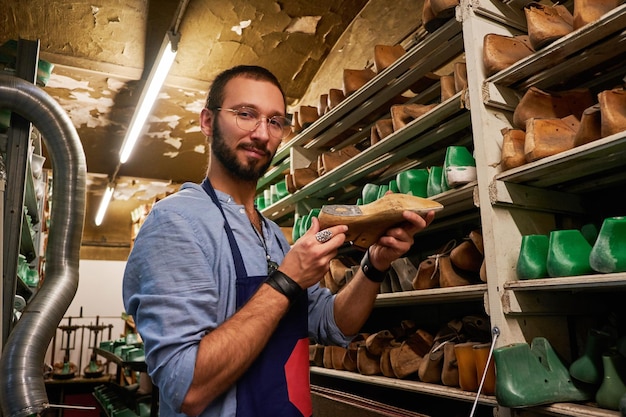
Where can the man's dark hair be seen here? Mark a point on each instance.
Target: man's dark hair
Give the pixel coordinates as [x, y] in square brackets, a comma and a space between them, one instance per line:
[216, 92]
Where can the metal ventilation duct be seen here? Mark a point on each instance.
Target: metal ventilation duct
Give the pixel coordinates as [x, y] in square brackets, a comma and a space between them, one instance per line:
[22, 388]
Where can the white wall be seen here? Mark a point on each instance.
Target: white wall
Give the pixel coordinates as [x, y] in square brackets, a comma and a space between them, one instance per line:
[99, 294]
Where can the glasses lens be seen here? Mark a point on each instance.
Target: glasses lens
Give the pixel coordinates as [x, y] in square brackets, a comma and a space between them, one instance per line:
[249, 119]
[278, 126]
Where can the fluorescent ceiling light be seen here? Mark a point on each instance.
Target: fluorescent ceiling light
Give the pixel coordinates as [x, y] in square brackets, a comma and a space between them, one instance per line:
[155, 81]
[104, 204]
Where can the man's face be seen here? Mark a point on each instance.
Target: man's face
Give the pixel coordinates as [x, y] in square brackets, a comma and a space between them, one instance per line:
[246, 155]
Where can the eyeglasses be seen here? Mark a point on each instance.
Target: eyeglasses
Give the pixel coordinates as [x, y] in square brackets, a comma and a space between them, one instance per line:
[249, 119]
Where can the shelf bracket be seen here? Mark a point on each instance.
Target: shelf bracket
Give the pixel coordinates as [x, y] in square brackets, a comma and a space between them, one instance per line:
[522, 196]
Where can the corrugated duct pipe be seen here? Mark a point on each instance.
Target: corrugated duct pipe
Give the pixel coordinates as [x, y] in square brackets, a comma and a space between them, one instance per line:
[22, 388]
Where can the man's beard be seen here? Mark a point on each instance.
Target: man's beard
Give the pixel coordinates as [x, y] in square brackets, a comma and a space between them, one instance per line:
[228, 159]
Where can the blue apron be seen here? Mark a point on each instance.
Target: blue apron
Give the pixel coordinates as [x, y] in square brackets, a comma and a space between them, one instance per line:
[277, 383]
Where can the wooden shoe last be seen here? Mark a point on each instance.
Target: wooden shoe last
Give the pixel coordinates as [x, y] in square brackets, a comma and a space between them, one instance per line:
[501, 51]
[380, 130]
[546, 137]
[547, 23]
[386, 55]
[588, 11]
[512, 148]
[354, 79]
[590, 126]
[403, 114]
[541, 104]
[613, 111]
[366, 223]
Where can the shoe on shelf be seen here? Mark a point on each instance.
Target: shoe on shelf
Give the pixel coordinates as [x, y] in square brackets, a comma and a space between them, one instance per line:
[404, 271]
[368, 222]
[428, 275]
[466, 362]
[613, 111]
[322, 106]
[354, 79]
[459, 166]
[413, 182]
[435, 179]
[547, 137]
[385, 359]
[502, 51]
[335, 96]
[316, 354]
[466, 256]
[330, 160]
[590, 126]
[376, 342]
[450, 367]
[448, 89]
[386, 55]
[539, 104]
[485, 366]
[568, 254]
[608, 254]
[533, 257]
[533, 375]
[403, 114]
[380, 130]
[431, 367]
[546, 23]
[307, 115]
[460, 76]
[588, 11]
[351, 356]
[449, 276]
[303, 176]
[367, 363]
[587, 368]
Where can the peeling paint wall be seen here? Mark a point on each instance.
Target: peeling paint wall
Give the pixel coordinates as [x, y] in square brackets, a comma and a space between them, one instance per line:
[380, 22]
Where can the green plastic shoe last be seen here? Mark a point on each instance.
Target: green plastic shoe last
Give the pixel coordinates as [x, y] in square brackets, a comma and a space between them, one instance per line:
[609, 251]
[295, 231]
[393, 186]
[281, 189]
[306, 220]
[459, 166]
[533, 375]
[588, 367]
[590, 232]
[369, 193]
[613, 388]
[413, 182]
[260, 202]
[568, 254]
[382, 190]
[433, 187]
[533, 257]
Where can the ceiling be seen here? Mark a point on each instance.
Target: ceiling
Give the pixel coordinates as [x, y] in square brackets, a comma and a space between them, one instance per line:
[102, 52]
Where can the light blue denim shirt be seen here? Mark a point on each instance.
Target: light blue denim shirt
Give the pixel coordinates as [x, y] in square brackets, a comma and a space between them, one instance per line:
[179, 284]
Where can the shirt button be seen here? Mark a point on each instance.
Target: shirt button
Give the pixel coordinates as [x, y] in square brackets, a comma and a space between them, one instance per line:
[242, 210]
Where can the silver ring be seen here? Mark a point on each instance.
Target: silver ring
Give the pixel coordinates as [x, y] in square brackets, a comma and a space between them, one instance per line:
[323, 235]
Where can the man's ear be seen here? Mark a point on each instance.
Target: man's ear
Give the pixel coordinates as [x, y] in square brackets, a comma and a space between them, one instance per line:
[206, 122]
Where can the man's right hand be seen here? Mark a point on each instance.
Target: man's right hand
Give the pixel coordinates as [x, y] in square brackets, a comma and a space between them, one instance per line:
[309, 259]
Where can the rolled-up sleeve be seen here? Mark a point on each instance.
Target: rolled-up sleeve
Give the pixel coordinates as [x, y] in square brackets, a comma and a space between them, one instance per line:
[171, 290]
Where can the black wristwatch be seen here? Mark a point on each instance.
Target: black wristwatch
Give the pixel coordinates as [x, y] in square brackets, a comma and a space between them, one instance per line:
[370, 271]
